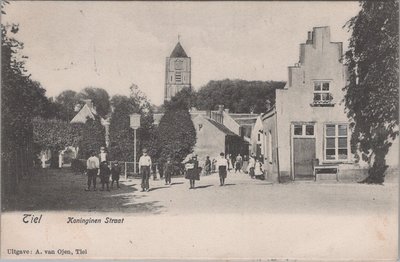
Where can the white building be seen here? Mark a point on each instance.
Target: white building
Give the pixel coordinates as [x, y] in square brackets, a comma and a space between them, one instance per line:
[308, 123]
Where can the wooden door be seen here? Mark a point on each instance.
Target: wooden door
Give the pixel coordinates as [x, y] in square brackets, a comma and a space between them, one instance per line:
[303, 155]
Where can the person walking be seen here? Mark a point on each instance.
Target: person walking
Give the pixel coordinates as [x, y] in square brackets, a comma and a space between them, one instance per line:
[238, 163]
[168, 171]
[252, 163]
[92, 166]
[104, 175]
[144, 170]
[207, 166]
[245, 164]
[115, 173]
[222, 165]
[192, 169]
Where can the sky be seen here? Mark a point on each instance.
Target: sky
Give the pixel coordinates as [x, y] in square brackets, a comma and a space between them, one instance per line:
[112, 45]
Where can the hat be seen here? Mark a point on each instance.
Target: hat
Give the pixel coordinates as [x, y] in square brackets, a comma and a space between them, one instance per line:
[144, 150]
[102, 147]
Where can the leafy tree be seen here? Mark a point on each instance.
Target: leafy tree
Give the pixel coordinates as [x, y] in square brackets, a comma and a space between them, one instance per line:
[121, 135]
[239, 96]
[66, 102]
[100, 98]
[176, 132]
[92, 137]
[372, 93]
[55, 134]
[21, 100]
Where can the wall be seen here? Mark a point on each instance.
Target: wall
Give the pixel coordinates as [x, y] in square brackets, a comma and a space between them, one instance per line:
[210, 140]
[270, 147]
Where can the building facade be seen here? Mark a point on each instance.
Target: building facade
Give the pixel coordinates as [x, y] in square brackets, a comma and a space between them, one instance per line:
[308, 122]
[177, 72]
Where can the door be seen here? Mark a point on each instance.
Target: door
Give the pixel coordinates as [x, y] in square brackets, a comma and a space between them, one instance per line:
[303, 155]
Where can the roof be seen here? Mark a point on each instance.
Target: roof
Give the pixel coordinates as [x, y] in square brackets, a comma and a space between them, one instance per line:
[221, 127]
[83, 114]
[178, 51]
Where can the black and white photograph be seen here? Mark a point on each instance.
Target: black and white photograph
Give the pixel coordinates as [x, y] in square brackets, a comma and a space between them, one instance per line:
[191, 130]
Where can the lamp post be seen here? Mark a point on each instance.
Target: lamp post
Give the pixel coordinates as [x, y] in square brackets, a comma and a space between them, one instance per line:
[134, 124]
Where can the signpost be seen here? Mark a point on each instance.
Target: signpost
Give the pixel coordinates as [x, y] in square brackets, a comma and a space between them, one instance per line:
[134, 124]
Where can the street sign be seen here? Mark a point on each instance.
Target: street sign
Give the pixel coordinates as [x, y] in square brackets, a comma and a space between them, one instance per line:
[135, 121]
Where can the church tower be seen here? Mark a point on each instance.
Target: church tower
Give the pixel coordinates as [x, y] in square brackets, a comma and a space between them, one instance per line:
[177, 72]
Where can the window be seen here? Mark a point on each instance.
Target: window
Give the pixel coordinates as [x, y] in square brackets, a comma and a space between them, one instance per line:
[259, 137]
[336, 142]
[178, 77]
[322, 95]
[303, 130]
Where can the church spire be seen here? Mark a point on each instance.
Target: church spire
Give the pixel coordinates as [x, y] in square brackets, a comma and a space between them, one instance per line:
[178, 51]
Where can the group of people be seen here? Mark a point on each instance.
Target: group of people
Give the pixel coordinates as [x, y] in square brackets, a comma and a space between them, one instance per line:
[252, 165]
[97, 166]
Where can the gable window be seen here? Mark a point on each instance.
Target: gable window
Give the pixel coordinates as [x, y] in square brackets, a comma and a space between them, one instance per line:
[336, 142]
[322, 93]
[178, 77]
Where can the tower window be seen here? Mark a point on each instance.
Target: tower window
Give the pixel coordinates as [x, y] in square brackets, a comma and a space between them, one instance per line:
[178, 77]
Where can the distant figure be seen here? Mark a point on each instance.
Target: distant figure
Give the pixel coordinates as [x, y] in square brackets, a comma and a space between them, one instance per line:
[168, 171]
[144, 170]
[222, 165]
[252, 163]
[238, 163]
[115, 173]
[92, 165]
[104, 175]
[230, 164]
[213, 165]
[154, 171]
[258, 169]
[60, 159]
[192, 171]
[43, 159]
[245, 164]
[103, 156]
[160, 166]
[207, 166]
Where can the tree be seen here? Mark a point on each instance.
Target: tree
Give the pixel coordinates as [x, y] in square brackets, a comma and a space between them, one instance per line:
[92, 137]
[239, 96]
[21, 100]
[176, 132]
[121, 135]
[100, 98]
[372, 93]
[66, 102]
[56, 135]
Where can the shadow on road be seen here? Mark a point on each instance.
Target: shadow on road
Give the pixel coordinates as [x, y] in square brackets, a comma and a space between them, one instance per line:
[177, 183]
[156, 188]
[229, 184]
[200, 187]
[62, 190]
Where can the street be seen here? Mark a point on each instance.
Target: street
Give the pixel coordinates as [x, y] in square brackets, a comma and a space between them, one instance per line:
[246, 218]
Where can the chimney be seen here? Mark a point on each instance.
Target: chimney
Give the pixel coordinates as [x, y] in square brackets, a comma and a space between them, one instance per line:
[89, 103]
[220, 109]
[310, 37]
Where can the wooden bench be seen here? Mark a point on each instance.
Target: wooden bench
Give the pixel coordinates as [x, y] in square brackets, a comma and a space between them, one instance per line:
[317, 166]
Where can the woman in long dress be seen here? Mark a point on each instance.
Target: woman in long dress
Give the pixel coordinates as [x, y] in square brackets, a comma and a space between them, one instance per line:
[245, 164]
[192, 171]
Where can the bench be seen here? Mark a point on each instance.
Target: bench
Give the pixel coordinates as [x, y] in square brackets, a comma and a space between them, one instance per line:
[317, 166]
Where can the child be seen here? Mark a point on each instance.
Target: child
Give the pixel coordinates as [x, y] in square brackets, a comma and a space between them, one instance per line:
[115, 173]
[258, 170]
[104, 175]
[168, 171]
